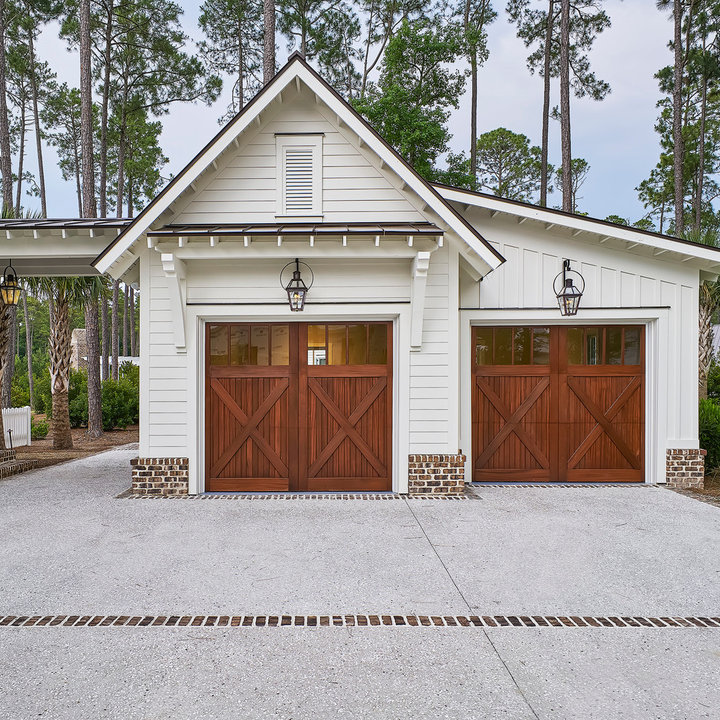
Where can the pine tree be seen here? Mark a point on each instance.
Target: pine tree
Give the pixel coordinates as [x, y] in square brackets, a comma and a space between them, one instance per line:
[542, 29]
[234, 46]
[410, 104]
[326, 32]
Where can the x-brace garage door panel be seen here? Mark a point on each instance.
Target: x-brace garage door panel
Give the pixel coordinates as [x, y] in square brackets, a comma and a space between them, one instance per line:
[299, 407]
[558, 404]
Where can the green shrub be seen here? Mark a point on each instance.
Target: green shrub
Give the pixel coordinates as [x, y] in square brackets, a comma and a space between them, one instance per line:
[39, 429]
[43, 394]
[78, 398]
[709, 417]
[130, 372]
[713, 380]
[120, 403]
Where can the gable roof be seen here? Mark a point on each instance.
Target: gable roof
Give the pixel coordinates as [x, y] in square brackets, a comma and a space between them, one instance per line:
[298, 70]
[626, 237]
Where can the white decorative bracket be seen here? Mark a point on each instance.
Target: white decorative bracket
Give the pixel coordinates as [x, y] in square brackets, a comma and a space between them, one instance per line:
[174, 270]
[420, 266]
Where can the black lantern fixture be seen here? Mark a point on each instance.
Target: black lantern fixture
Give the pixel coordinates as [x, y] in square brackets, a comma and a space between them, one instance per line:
[568, 294]
[296, 289]
[10, 289]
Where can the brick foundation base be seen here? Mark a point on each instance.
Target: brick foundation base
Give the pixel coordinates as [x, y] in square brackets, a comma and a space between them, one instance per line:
[159, 476]
[436, 474]
[685, 469]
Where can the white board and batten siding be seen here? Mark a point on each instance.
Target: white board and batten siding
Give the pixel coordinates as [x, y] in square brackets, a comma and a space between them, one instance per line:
[619, 285]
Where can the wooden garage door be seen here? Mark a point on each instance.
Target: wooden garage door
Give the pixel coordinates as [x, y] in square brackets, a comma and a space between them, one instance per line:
[299, 406]
[558, 404]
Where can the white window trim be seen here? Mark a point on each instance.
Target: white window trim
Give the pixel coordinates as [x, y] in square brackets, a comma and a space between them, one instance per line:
[304, 142]
[198, 317]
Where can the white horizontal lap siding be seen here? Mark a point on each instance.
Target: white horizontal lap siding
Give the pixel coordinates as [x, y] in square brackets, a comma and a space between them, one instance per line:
[257, 281]
[430, 367]
[244, 189]
[166, 434]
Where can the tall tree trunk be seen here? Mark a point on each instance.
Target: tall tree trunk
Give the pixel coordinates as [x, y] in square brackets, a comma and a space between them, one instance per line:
[565, 106]
[86, 128]
[105, 110]
[95, 427]
[121, 165]
[241, 70]
[105, 327]
[268, 40]
[701, 157]
[707, 308]
[115, 331]
[366, 54]
[473, 114]
[473, 94]
[60, 336]
[662, 215]
[78, 182]
[544, 150]
[4, 339]
[36, 119]
[28, 351]
[21, 160]
[126, 323]
[679, 148]
[5, 151]
[133, 334]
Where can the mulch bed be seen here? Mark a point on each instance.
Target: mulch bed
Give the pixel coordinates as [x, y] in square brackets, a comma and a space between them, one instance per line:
[42, 452]
[711, 492]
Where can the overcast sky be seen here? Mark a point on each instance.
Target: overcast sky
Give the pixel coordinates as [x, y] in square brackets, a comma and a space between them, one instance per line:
[615, 136]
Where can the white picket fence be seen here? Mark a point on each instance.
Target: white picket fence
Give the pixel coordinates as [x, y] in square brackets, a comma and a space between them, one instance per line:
[17, 422]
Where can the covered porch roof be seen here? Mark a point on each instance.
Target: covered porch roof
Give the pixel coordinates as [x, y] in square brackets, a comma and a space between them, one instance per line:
[56, 247]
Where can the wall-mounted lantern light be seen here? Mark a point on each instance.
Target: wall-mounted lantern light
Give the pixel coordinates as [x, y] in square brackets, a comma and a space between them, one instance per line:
[10, 289]
[296, 289]
[568, 294]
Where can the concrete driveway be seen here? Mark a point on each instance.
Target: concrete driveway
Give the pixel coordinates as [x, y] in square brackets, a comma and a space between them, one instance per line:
[69, 547]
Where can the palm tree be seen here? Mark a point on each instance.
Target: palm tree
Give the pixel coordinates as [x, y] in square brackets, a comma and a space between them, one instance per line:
[62, 293]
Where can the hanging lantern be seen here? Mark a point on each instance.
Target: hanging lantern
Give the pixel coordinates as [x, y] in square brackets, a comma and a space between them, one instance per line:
[296, 289]
[568, 294]
[10, 289]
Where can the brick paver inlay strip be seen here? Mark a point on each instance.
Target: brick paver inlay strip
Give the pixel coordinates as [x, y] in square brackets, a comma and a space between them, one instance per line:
[240, 621]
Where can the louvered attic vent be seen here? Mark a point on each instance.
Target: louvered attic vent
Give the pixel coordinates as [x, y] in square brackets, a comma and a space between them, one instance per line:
[299, 174]
[298, 180]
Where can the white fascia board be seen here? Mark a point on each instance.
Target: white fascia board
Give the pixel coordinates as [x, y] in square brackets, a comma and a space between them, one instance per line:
[579, 224]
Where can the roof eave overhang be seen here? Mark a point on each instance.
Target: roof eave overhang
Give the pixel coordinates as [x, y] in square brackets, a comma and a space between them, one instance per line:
[698, 256]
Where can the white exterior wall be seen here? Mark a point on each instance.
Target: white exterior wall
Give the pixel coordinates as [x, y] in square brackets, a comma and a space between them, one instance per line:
[424, 383]
[164, 373]
[621, 287]
[433, 370]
